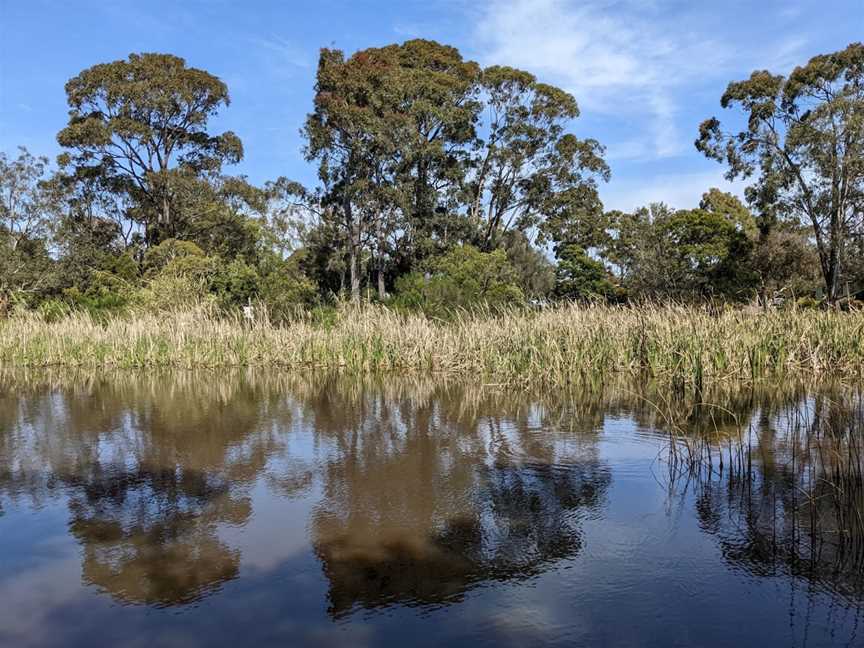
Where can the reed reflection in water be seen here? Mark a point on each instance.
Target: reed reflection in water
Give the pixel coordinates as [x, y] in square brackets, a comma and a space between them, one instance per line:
[326, 510]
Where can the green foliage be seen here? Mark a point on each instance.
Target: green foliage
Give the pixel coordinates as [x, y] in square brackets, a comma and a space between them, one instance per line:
[172, 292]
[803, 146]
[183, 257]
[285, 290]
[579, 277]
[142, 124]
[536, 274]
[106, 293]
[53, 310]
[531, 173]
[786, 262]
[406, 176]
[695, 253]
[441, 181]
[234, 284]
[463, 279]
[706, 254]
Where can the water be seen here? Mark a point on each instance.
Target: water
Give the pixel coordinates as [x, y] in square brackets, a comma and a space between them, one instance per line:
[255, 509]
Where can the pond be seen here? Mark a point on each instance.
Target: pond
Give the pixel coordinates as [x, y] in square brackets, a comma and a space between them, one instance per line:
[242, 508]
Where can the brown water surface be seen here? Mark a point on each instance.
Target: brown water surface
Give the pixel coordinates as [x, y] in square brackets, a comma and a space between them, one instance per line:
[242, 509]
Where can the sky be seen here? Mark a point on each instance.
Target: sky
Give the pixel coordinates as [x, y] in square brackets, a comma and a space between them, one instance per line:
[644, 72]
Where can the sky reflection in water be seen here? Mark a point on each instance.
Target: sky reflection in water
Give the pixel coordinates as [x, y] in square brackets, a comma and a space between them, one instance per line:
[195, 509]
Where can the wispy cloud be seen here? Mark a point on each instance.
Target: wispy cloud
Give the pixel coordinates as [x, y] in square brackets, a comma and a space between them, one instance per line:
[617, 58]
[281, 54]
[678, 190]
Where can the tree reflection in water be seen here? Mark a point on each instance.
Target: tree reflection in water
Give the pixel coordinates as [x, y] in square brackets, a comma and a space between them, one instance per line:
[428, 497]
[149, 469]
[790, 497]
[414, 491]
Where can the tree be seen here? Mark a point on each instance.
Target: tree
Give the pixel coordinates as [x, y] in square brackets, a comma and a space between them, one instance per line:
[26, 202]
[580, 277]
[431, 108]
[685, 253]
[804, 143]
[343, 134]
[464, 278]
[27, 205]
[706, 254]
[529, 172]
[141, 125]
[786, 261]
[405, 175]
[731, 209]
[636, 249]
[383, 129]
[536, 274]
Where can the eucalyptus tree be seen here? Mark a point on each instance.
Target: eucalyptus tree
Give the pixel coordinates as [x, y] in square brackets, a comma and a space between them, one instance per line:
[141, 125]
[26, 202]
[344, 135]
[387, 130]
[529, 172]
[27, 207]
[803, 145]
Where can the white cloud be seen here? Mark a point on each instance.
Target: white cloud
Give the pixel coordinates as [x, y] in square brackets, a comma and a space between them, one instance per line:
[623, 63]
[678, 190]
[282, 54]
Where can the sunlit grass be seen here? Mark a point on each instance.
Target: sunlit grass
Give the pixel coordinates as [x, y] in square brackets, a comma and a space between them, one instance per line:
[686, 346]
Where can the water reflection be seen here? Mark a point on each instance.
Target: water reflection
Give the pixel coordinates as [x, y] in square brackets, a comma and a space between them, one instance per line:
[148, 471]
[790, 499]
[418, 493]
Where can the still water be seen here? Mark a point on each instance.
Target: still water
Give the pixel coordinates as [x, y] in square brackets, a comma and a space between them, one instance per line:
[260, 509]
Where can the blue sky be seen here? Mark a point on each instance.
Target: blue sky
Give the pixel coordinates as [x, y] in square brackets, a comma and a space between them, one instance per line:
[645, 72]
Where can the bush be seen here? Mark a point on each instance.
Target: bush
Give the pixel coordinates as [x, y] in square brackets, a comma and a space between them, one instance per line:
[168, 291]
[464, 278]
[234, 284]
[579, 277]
[286, 291]
[179, 255]
[106, 293]
[53, 310]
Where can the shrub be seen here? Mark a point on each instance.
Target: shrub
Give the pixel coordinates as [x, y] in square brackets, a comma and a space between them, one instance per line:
[579, 277]
[106, 293]
[234, 284]
[285, 290]
[53, 310]
[171, 251]
[169, 291]
[464, 278]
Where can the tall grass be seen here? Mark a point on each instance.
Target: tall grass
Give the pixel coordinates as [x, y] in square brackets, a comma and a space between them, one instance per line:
[687, 347]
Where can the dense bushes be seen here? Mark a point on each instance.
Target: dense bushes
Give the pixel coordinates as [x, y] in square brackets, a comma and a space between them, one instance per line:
[462, 279]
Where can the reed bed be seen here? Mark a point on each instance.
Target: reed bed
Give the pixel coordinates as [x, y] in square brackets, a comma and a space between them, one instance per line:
[684, 346]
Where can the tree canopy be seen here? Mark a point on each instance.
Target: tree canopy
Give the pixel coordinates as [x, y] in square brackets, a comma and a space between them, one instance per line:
[803, 146]
[441, 186]
[139, 127]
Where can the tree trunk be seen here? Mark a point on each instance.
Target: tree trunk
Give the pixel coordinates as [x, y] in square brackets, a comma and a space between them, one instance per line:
[353, 264]
[382, 292]
[353, 250]
[832, 277]
[379, 263]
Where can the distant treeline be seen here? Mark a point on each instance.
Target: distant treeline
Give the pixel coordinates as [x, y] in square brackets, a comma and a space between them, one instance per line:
[441, 185]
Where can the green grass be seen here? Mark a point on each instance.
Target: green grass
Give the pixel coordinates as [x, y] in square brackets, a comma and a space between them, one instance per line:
[568, 345]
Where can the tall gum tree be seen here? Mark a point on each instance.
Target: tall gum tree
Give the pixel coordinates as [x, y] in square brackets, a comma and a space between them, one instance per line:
[804, 144]
[388, 130]
[143, 124]
[529, 172]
